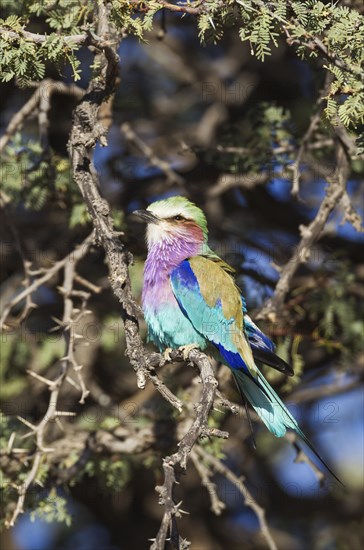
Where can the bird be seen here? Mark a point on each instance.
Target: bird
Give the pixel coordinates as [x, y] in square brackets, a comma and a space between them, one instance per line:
[190, 299]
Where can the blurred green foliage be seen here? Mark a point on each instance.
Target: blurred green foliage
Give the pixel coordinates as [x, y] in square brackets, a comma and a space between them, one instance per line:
[52, 508]
[313, 27]
[336, 309]
[112, 474]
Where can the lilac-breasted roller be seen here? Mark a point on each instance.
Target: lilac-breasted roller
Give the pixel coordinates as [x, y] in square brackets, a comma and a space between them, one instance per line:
[190, 298]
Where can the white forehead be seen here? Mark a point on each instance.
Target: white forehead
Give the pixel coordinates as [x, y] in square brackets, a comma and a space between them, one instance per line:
[168, 210]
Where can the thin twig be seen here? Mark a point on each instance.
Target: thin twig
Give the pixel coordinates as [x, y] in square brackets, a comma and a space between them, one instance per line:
[217, 506]
[41, 96]
[29, 304]
[309, 235]
[133, 138]
[71, 257]
[350, 214]
[315, 119]
[301, 456]
[184, 8]
[41, 38]
[54, 386]
[222, 469]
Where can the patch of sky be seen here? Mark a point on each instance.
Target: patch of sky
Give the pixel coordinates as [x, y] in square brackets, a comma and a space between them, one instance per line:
[337, 423]
[259, 261]
[240, 197]
[275, 237]
[280, 189]
[306, 80]
[246, 520]
[296, 479]
[348, 232]
[90, 537]
[256, 293]
[103, 154]
[184, 33]
[38, 535]
[132, 52]
[85, 534]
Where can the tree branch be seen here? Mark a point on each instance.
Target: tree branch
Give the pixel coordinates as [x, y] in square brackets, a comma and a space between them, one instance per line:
[184, 8]
[86, 131]
[180, 458]
[309, 235]
[41, 38]
[72, 256]
[41, 96]
[222, 469]
[315, 119]
[217, 506]
[52, 413]
[134, 139]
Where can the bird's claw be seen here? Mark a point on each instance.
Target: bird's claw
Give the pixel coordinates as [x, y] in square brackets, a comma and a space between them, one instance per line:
[167, 354]
[186, 350]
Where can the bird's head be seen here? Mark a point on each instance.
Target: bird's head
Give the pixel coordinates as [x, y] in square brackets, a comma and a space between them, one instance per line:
[173, 219]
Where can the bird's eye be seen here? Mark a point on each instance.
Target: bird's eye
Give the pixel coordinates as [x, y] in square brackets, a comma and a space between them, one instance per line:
[178, 218]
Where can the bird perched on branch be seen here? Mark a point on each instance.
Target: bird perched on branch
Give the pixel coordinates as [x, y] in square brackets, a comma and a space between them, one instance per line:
[190, 299]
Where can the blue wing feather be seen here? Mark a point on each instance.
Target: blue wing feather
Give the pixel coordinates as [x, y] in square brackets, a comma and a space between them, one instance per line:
[257, 338]
[263, 348]
[208, 321]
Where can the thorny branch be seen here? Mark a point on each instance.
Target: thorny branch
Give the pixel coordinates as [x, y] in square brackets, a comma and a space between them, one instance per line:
[84, 134]
[180, 458]
[41, 38]
[86, 131]
[70, 317]
[38, 282]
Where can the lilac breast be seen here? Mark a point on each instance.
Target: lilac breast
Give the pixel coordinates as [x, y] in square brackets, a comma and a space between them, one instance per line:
[168, 326]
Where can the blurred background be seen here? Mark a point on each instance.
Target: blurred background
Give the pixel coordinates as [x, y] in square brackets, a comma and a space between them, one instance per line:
[215, 124]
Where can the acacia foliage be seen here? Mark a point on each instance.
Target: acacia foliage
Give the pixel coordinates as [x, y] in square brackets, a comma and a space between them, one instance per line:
[331, 31]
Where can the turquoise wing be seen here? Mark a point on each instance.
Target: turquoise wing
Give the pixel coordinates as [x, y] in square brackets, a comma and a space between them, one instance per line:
[209, 298]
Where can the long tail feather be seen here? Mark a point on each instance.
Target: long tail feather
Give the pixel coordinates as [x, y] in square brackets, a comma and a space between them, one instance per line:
[271, 409]
[246, 407]
[310, 445]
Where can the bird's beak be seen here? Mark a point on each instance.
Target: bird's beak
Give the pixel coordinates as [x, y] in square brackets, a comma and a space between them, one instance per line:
[146, 216]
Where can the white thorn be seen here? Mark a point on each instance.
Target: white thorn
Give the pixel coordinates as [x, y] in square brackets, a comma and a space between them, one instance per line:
[73, 383]
[59, 424]
[40, 378]
[11, 442]
[29, 424]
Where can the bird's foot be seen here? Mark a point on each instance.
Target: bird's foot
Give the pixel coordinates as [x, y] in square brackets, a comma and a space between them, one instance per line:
[167, 354]
[186, 350]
